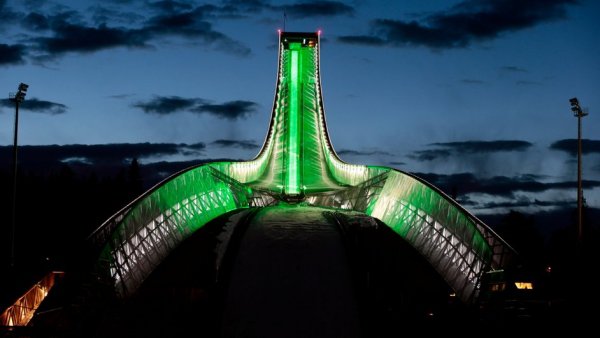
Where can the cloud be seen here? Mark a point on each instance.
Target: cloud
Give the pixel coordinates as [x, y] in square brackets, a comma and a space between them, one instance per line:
[101, 14]
[164, 105]
[243, 144]
[298, 10]
[447, 149]
[362, 40]
[503, 186]
[317, 8]
[170, 6]
[121, 96]
[67, 32]
[429, 155]
[7, 15]
[522, 202]
[37, 106]
[245, 6]
[100, 154]
[570, 146]
[12, 54]
[485, 146]
[63, 30]
[231, 110]
[157, 171]
[69, 37]
[465, 23]
[36, 22]
[106, 159]
[349, 152]
[513, 69]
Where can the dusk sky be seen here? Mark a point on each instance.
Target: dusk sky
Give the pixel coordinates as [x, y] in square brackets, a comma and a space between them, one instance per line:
[472, 93]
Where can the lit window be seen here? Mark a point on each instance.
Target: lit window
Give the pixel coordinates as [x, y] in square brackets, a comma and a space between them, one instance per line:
[524, 285]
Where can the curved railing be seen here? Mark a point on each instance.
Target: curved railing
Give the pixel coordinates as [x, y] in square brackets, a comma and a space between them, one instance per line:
[140, 236]
[458, 245]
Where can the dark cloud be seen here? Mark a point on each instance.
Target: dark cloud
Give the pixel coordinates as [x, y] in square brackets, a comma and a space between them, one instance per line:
[184, 21]
[41, 106]
[164, 105]
[7, 15]
[104, 154]
[157, 171]
[170, 6]
[513, 69]
[243, 144]
[36, 22]
[101, 14]
[121, 96]
[430, 155]
[69, 37]
[396, 163]
[349, 152]
[105, 159]
[362, 40]
[12, 54]
[467, 22]
[231, 110]
[522, 202]
[485, 146]
[70, 33]
[570, 146]
[465, 183]
[37, 106]
[317, 8]
[447, 149]
[245, 6]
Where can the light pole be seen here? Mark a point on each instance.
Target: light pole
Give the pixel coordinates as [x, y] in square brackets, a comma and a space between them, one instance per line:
[577, 112]
[17, 98]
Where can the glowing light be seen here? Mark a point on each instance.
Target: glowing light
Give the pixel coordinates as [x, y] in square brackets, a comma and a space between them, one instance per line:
[524, 285]
[22, 311]
[292, 186]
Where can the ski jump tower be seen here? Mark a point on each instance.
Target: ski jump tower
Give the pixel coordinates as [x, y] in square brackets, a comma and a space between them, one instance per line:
[297, 164]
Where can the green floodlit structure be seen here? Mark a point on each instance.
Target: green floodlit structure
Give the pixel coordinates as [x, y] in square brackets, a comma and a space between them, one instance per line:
[297, 164]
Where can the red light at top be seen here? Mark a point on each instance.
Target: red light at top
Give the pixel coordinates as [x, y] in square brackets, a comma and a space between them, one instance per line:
[279, 31]
[319, 32]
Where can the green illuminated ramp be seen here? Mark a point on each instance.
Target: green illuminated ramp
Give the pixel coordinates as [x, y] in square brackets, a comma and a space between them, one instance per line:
[297, 158]
[297, 164]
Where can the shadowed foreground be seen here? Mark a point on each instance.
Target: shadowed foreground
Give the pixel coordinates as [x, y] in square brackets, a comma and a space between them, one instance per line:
[291, 278]
[279, 271]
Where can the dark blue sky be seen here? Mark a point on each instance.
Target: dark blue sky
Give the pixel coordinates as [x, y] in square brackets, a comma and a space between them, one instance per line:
[472, 93]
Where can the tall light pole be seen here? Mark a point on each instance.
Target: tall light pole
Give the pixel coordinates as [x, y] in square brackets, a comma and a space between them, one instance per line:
[578, 113]
[17, 98]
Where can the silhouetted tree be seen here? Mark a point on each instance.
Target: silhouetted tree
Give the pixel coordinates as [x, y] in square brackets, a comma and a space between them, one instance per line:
[520, 232]
[135, 183]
